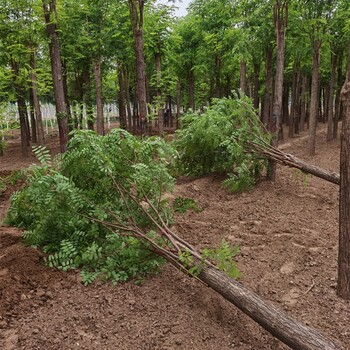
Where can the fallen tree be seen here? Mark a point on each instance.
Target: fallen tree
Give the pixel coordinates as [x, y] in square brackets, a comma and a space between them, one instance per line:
[270, 152]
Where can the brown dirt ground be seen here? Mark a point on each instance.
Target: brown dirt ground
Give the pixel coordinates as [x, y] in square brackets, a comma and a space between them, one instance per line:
[287, 232]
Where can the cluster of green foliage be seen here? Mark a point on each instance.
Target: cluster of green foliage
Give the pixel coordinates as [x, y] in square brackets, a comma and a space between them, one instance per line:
[213, 142]
[65, 203]
[182, 205]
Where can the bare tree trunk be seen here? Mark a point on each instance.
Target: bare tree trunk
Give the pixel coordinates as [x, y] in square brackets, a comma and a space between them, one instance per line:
[256, 85]
[280, 18]
[159, 95]
[303, 102]
[314, 96]
[99, 98]
[22, 108]
[266, 110]
[178, 103]
[191, 85]
[128, 99]
[296, 335]
[136, 8]
[32, 116]
[331, 98]
[36, 102]
[121, 98]
[243, 77]
[56, 67]
[343, 285]
[338, 102]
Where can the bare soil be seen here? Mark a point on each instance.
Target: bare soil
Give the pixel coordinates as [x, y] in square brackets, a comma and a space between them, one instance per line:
[287, 232]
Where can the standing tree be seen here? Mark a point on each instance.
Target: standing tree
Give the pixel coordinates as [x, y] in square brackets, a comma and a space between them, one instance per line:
[136, 8]
[57, 73]
[280, 11]
[343, 287]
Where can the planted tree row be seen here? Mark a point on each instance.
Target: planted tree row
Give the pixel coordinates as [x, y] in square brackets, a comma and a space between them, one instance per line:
[288, 56]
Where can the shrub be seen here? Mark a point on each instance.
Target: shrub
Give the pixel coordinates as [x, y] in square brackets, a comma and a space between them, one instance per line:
[212, 142]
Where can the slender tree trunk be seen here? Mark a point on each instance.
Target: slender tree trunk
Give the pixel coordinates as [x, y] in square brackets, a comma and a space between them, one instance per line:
[303, 102]
[136, 13]
[338, 102]
[22, 108]
[32, 117]
[280, 18]
[266, 111]
[56, 67]
[127, 98]
[314, 96]
[88, 99]
[121, 98]
[159, 95]
[36, 102]
[243, 77]
[178, 102]
[256, 85]
[218, 76]
[331, 98]
[343, 286]
[191, 85]
[99, 98]
[285, 103]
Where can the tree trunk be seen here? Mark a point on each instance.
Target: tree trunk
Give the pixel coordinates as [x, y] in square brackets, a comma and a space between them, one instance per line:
[88, 99]
[56, 68]
[331, 98]
[218, 76]
[32, 117]
[36, 102]
[303, 102]
[159, 95]
[343, 286]
[266, 110]
[22, 108]
[99, 99]
[338, 102]
[128, 99]
[121, 98]
[178, 103]
[256, 85]
[280, 18]
[136, 13]
[243, 77]
[314, 96]
[289, 331]
[191, 84]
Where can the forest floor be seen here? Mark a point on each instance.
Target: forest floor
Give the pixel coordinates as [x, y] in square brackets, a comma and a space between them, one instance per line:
[288, 235]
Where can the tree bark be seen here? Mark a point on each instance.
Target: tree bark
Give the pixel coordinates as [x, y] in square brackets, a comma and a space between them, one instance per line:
[36, 102]
[331, 98]
[121, 98]
[280, 18]
[343, 285]
[136, 13]
[178, 103]
[303, 102]
[99, 98]
[243, 77]
[256, 85]
[32, 117]
[22, 108]
[314, 96]
[191, 85]
[266, 110]
[338, 102]
[159, 95]
[56, 68]
[289, 331]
